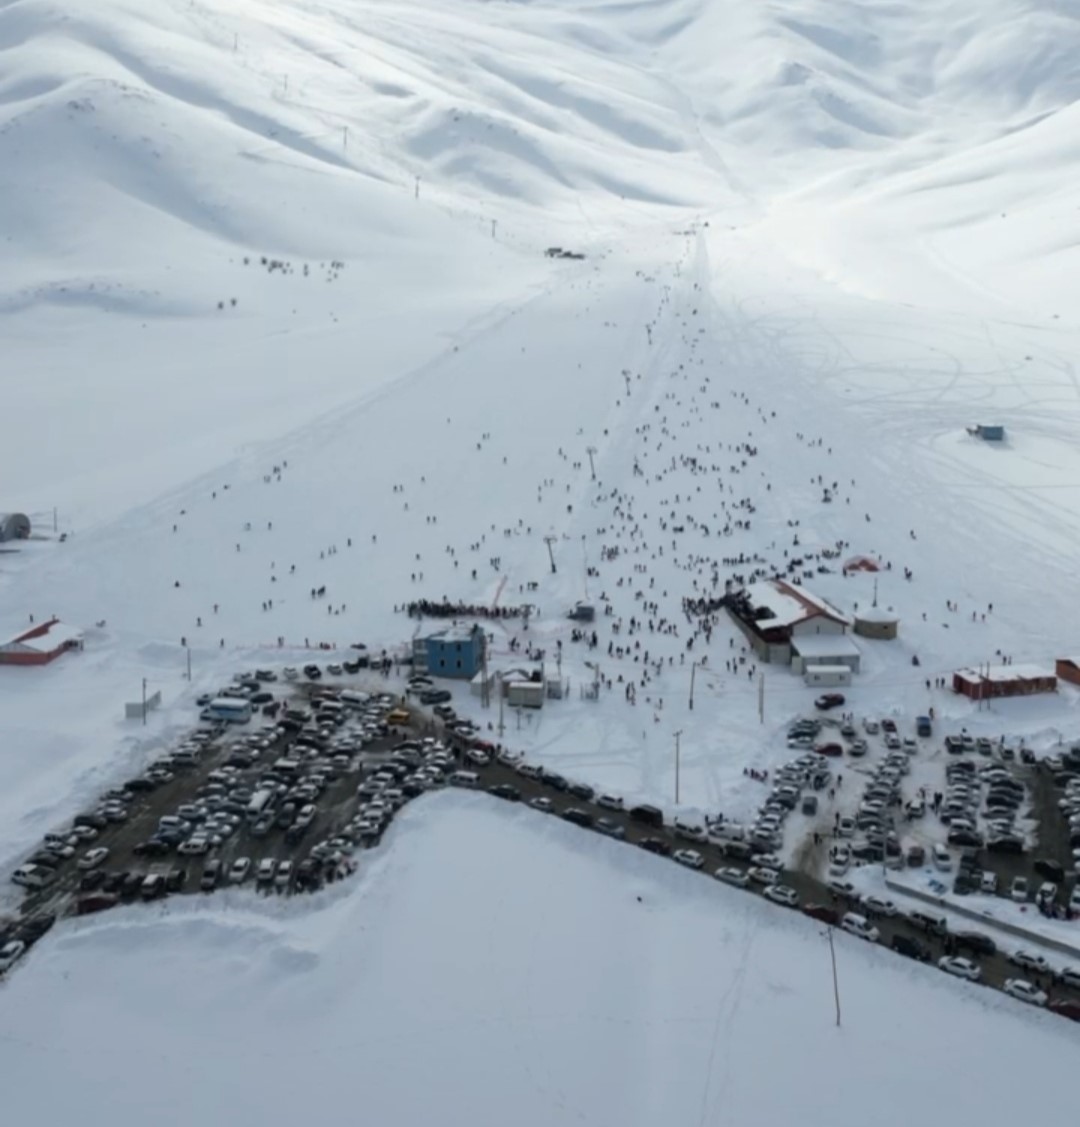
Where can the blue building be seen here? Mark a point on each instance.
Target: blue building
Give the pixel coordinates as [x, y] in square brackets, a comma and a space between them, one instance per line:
[457, 651]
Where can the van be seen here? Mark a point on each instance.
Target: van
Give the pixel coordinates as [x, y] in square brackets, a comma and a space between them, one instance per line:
[688, 831]
[350, 698]
[943, 861]
[469, 779]
[32, 876]
[648, 816]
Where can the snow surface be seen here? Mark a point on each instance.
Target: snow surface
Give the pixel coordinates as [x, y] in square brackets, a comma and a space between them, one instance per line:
[458, 979]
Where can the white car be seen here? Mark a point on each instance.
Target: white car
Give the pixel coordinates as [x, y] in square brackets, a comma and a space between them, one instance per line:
[544, 805]
[871, 727]
[880, 905]
[480, 758]
[239, 870]
[1029, 960]
[334, 669]
[860, 926]
[93, 857]
[289, 673]
[962, 968]
[781, 894]
[10, 954]
[943, 861]
[845, 827]
[691, 858]
[843, 888]
[760, 875]
[609, 801]
[84, 833]
[1070, 976]
[267, 870]
[195, 845]
[283, 874]
[1025, 991]
[732, 876]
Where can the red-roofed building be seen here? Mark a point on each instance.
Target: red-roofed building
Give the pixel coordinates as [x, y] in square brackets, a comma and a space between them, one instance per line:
[40, 644]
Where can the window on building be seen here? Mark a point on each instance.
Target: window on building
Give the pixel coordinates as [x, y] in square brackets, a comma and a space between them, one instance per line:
[459, 663]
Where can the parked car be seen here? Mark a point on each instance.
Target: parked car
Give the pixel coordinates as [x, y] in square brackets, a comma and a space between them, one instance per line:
[828, 701]
[880, 905]
[239, 870]
[1024, 991]
[1018, 890]
[962, 968]
[578, 817]
[734, 876]
[691, 858]
[609, 801]
[1029, 960]
[655, 845]
[912, 948]
[647, 815]
[93, 857]
[11, 953]
[974, 942]
[860, 926]
[822, 913]
[781, 894]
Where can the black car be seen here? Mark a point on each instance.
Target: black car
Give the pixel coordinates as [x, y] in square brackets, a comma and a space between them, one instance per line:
[1045, 867]
[912, 948]
[504, 790]
[31, 930]
[95, 821]
[113, 881]
[647, 815]
[142, 783]
[1007, 843]
[578, 817]
[132, 884]
[175, 879]
[582, 790]
[312, 672]
[436, 696]
[92, 880]
[974, 942]
[656, 845]
[553, 780]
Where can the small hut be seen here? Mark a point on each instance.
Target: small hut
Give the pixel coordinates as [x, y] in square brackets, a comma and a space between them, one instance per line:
[14, 526]
[876, 622]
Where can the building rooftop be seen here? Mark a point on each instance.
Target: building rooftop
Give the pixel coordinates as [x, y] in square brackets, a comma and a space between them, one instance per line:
[1022, 672]
[46, 637]
[825, 645]
[876, 614]
[790, 604]
[458, 632]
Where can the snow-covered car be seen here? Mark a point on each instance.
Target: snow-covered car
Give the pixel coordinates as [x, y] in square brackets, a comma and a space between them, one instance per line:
[267, 870]
[731, 875]
[92, 857]
[691, 858]
[290, 673]
[1025, 991]
[870, 726]
[880, 905]
[845, 827]
[544, 805]
[609, 801]
[10, 954]
[842, 888]
[781, 894]
[961, 967]
[859, 926]
[480, 758]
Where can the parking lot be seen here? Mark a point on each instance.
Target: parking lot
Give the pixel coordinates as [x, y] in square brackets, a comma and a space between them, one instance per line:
[289, 801]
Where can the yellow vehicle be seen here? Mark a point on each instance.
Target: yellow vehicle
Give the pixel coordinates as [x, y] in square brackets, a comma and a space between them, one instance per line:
[398, 716]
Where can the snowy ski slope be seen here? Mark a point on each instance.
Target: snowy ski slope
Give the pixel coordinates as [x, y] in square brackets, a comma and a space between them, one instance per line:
[311, 235]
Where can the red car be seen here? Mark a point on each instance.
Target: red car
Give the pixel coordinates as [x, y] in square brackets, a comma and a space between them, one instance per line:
[831, 750]
[823, 913]
[829, 700]
[1065, 1008]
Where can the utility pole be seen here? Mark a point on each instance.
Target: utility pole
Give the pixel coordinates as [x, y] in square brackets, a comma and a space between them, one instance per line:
[591, 450]
[485, 689]
[549, 540]
[677, 735]
[345, 136]
[494, 224]
[144, 702]
[761, 698]
[417, 195]
[835, 980]
[54, 518]
[188, 649]
[693, 670]
[499, 689]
